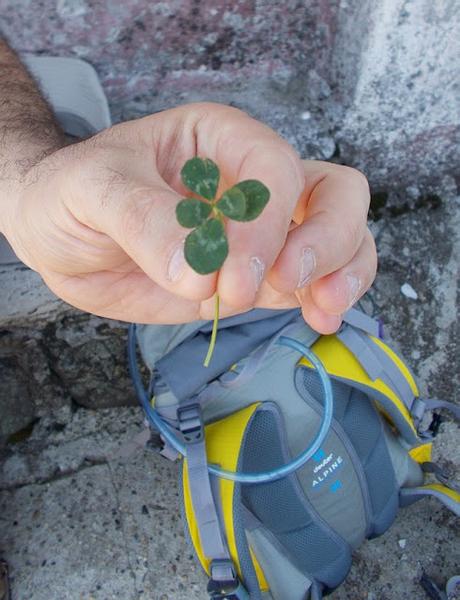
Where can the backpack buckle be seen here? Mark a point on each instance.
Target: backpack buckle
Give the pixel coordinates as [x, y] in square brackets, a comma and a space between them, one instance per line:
[224, 583]
[191, 423]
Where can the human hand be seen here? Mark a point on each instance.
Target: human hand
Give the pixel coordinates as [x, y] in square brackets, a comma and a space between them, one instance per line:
[97, 221]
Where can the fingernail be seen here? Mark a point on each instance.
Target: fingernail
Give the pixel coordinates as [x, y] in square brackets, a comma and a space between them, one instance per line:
[307, 266]
[257, 268]
[176, 263]
[354, 287]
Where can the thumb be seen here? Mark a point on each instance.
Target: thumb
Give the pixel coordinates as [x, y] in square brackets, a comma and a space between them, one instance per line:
[136, 208]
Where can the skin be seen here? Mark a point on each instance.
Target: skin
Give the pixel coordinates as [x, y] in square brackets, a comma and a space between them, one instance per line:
[97, 218]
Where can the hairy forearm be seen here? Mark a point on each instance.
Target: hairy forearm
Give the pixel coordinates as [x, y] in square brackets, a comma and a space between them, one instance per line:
[28, 128]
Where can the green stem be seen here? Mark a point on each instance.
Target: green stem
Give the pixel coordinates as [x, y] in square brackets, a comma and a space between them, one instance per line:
[212, 343]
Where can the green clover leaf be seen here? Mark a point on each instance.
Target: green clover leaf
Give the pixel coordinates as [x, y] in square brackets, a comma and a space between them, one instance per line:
[233, 204]
[192, 212]
[257, 195]
[206, 247]
[201, 175]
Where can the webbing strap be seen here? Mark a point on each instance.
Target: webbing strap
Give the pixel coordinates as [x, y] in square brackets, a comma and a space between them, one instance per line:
[434, 403]
[204, 508]
[420, 406]
[223, 583]
[452, 585]
[362, 321]
[448, 497]
[441, 476]
[376, 363]
[256, 359]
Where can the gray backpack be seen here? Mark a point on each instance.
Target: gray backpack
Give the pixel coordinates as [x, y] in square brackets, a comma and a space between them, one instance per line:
[296, 447]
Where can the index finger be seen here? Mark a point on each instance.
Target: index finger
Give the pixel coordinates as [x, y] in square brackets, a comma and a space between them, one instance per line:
[245, 148]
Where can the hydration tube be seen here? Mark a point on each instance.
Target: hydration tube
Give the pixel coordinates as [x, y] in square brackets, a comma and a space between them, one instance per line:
[171, 435]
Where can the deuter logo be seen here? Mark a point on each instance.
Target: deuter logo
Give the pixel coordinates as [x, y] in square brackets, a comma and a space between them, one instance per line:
[323, 464]
[325, 470]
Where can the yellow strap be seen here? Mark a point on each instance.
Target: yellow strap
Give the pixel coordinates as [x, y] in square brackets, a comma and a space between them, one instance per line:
[339, 361]
[223, 444]
[443, 489]
[422, 453]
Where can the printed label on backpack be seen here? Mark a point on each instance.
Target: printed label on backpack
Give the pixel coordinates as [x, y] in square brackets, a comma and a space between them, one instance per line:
[326, 469]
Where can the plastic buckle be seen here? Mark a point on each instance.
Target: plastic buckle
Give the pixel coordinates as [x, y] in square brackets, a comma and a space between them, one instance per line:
[224, 583]
[191, 423]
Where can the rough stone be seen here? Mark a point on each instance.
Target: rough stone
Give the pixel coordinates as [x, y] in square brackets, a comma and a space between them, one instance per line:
[369, 84]
[378, 78]
[53, 356]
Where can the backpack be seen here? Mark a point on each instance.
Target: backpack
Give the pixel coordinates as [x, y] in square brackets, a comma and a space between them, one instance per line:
[296, 446]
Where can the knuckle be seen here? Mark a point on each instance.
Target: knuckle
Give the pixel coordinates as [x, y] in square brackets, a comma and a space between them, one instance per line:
[357, 179]
[136, 213]
[205, 108]
[349, 233]
[353, 175]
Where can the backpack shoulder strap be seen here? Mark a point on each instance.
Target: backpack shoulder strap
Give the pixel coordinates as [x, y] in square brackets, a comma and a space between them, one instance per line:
[365, 362]
[450, 498]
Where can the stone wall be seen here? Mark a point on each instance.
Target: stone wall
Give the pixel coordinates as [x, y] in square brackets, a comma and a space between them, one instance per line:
[371, 83]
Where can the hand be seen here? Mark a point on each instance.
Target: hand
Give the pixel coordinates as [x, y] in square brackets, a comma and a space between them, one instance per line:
[97, 221]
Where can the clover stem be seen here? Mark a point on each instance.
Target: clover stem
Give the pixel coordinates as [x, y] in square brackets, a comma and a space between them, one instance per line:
[215, 324]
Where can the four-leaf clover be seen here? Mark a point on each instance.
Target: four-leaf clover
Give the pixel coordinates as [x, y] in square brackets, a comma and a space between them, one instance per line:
[206, 247]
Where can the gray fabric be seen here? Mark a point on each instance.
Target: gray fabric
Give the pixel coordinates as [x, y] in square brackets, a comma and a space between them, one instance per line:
[7, 255]
[407, 471]
[383, 488]
[409, 435]
[434, 403]
[364, 429]
[345, 506]
[75, 125]
[283, 577]
[244, 556]
[255, 361]
[316, 592]
[204, 507]
[376, 363]
[274, 381]
[283, 509]
[157, 340]
[362, 321]
[182, 368]
[248, 572]
[73, 89]
[410, 495]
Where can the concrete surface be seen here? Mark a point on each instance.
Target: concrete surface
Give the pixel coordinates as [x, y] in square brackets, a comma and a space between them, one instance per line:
[76, 526]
